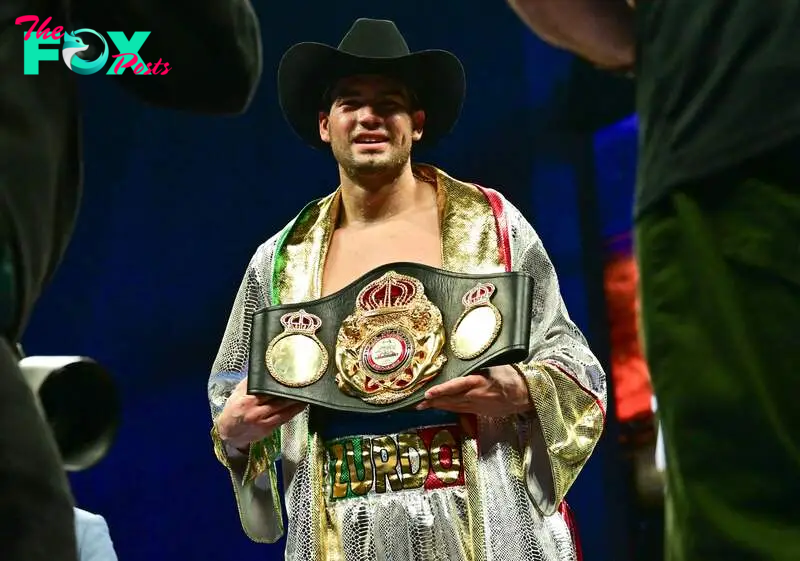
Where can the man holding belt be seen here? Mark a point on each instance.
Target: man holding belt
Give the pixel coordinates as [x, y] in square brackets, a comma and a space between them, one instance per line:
[502, 448]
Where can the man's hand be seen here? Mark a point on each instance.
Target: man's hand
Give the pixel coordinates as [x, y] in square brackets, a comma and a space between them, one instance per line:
[500, 392]
[249, 418]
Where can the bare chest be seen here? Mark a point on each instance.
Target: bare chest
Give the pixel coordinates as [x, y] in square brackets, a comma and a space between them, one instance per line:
[354, 253]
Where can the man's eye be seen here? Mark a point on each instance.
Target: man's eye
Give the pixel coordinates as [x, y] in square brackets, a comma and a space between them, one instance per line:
[392, 105]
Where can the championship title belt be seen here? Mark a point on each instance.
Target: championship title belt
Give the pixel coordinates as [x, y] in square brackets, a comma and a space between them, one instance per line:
[378, 344]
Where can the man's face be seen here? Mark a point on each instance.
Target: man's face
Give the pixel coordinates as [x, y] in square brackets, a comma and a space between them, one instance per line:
[371, 125]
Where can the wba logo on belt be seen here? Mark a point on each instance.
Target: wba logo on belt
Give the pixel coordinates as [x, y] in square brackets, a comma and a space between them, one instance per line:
[424, 459]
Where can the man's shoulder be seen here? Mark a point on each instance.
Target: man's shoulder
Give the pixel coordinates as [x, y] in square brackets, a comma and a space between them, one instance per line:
[499, 201]
[429, 172]
[266, 249]
[519, 228]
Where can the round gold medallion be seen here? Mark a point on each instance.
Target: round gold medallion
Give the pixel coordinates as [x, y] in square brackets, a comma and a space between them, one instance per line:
[478, 326]
[296, 358]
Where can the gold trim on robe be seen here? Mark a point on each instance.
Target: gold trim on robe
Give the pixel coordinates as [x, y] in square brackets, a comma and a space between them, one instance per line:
[570, 421]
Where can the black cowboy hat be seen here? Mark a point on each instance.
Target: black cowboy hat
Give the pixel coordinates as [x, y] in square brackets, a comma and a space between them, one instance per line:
[308, 70]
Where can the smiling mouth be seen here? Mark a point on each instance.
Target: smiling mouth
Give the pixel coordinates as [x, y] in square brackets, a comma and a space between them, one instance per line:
[368, 140]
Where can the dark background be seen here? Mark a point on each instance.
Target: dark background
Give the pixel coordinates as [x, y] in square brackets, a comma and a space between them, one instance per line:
[176, 204]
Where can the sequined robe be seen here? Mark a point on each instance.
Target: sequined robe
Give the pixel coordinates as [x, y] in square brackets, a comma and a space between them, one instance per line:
[515, 471]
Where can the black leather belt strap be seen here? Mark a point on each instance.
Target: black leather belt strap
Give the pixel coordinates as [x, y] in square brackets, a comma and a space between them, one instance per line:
[378, 344]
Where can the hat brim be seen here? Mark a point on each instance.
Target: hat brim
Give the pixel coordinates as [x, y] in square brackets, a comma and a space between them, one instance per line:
[307, 70]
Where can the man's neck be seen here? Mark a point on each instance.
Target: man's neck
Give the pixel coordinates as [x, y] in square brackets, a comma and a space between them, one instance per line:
[370, 200]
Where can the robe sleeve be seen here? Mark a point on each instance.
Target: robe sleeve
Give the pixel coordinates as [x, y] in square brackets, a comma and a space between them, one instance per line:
[254, 477]
[565, 381]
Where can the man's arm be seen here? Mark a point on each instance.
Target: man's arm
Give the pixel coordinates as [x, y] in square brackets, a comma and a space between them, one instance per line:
[599, 31]
[565, 382]
[253, 475]
[213, 48]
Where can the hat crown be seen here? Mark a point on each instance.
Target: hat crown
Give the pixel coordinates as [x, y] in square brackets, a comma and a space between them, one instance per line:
[374, 38]
[371, 46]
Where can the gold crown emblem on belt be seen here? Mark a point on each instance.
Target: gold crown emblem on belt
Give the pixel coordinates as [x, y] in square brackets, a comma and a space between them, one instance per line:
[301, 322]
[479, 295]
[392, 343]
